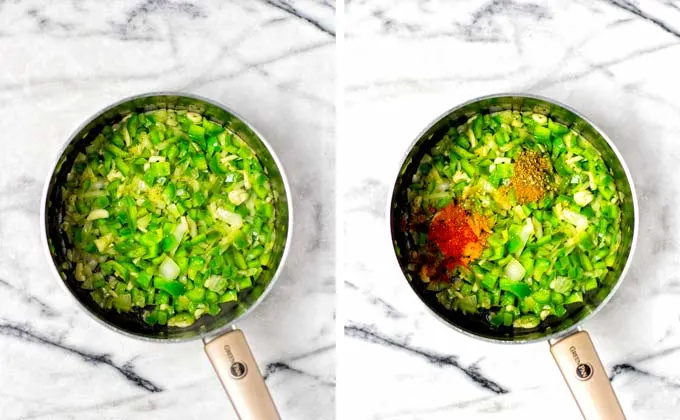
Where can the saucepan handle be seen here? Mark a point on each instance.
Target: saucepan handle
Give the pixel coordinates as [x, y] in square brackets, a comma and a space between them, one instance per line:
[235, 365]
[586, 377]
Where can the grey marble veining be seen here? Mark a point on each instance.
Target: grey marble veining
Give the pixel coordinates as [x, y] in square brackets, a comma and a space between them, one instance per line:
[60, 62]
[406, 63]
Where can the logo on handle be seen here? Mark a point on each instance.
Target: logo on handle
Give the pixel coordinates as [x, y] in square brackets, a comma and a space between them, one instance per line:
[584, 371]
[237, 370]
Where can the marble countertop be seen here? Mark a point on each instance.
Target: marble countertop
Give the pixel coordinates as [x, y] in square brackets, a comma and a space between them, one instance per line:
[407, 62]
[60, 62]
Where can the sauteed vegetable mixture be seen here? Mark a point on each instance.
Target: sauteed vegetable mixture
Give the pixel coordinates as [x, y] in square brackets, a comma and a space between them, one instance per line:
[516, 218]
[169, 213]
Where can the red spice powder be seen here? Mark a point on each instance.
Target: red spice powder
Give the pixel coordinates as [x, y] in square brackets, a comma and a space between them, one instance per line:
[459, 236]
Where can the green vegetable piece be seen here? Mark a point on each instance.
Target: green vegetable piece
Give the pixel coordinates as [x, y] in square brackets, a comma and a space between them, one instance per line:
[542, 296]
[526, 322]
[123, 303]
[160, 169]
[590, 284]
[562, 284]
[229, 296]
[541, 133]
[197, 294]
[244, 283]
[575, 297]
[519, 289]
[507, 318]
[169, 243]
[489, 281]
[514, 244]
[162, 317]
[174, 288]
[468, 168]
[216, 284]
[143, 280]
[212, 128]
[497, 320]
[181, 320]
[196, 132]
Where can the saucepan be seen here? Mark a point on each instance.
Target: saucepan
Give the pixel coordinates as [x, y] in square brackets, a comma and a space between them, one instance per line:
[225, 345]
[570, 345]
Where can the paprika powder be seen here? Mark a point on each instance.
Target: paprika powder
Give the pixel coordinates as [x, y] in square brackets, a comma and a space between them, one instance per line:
[459, 236]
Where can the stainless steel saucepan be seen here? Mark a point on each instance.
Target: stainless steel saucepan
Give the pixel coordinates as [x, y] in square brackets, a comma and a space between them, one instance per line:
[570, 346]
[225, 345]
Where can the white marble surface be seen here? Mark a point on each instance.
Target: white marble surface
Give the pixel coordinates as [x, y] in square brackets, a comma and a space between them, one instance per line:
[407, 62]
[273, 62]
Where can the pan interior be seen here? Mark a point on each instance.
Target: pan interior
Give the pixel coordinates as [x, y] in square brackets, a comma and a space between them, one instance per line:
[132, 322]
[403, 244]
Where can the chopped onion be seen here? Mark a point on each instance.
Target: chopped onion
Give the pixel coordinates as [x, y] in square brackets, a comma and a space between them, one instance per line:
[519, 212]
[169, 269]
[234, 219]
[574, 159]
[80, 275]
[114, 174]
[460, 176]
[561, 284]
[194, 117]
[193, 229]
[514, 270]
[181, 229]
[576, 219]
[583, 198]
[237, 196]
[540, 118]
[126, 136]
[216, 283]
[98, 214]
[471, 136]
[526, 231]
[443, 186]
[103, 242]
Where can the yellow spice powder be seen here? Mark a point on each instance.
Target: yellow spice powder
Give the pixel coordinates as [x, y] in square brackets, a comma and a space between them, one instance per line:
[531, 176]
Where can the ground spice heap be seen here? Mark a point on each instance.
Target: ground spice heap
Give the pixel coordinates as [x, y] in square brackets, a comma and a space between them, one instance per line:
[531, 176]
[460, 236]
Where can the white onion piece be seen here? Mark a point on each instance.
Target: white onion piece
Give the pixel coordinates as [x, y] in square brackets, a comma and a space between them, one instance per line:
[103, 242]
[514, 270]
[583, 198]
[234, 219]
[237, 196]
[194, 117]
[98, 214]
[181, 229]
[576, 219]
[443, 186]
[169, 269]
[526, 231]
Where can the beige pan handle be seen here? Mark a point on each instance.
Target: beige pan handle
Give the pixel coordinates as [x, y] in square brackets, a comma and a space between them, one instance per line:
[236, 367]
[586, 377]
